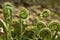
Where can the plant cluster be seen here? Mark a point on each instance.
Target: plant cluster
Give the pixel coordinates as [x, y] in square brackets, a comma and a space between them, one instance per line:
[41, 31]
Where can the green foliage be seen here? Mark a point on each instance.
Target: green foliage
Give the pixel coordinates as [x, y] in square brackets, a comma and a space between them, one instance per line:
[28, 35]
[21, 31]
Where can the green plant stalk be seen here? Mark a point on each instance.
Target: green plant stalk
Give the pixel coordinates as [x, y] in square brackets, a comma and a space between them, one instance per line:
[21, 30]
[54, 36]
[8, 23]
[7, 12]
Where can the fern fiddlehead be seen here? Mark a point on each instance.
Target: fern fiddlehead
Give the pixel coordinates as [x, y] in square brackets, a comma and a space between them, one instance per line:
[45, 13]
[7, 12]
[23, 15]
[54, 27]
[45, 34]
